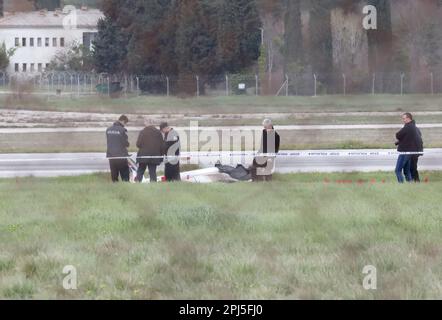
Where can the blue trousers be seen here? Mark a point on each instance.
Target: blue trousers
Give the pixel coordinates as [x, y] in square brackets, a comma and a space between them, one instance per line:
[403, 165]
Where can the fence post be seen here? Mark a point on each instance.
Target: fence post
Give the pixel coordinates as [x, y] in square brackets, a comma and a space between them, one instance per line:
[168, 86]
[108, 86]
[402, 83]
[345, 84]
[197, 86]
[373, 84]
[287, 85]
[316, 86]
[138, 86]
[52, 82]
[125, 85]
[432, 83]
[78, 86]
[256, 85]
[49, 86]
[227, 85]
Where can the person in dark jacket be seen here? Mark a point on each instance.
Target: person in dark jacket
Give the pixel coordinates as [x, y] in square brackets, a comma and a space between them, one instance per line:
[117, 144]
[150, 144]
[262, 168]
[172, 151]
[407, 139]
[415, 157]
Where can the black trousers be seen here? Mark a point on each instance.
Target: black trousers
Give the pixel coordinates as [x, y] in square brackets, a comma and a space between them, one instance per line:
[119, 167]
[152, 172]
[172, 172]
[414, 168]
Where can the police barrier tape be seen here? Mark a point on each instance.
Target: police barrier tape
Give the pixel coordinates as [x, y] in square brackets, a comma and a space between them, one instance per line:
[301, 154]
[190, 155]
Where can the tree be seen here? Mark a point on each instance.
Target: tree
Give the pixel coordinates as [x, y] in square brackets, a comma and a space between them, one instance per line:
[109, 47]
[294, 47]
[195, 46]
[77, 58]
[178, 38]
[321, 41]
[380, 41]
[5, 55]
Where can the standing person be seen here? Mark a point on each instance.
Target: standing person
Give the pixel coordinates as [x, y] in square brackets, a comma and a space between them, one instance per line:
[150, 144]
[415, 157]
[117, 144]
[262, 168]
[407, 139]
[172, 151]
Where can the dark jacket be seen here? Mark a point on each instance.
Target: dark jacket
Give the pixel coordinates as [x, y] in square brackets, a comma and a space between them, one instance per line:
[420, 142]
[117, 141]
[408, 138]
[266, 142]
[150, 143]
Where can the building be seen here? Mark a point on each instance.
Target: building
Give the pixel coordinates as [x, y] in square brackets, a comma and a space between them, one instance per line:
[40, 35]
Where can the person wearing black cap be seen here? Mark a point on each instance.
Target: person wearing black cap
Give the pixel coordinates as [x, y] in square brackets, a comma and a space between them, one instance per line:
[172, 151]
[117, 144]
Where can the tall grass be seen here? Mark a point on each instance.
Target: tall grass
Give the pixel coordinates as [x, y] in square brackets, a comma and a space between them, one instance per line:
[302, 236]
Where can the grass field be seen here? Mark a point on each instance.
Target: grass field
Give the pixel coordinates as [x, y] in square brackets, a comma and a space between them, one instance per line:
[233, 104]
[297, 237]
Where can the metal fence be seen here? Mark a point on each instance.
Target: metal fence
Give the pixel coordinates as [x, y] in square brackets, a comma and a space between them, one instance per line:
[79, 84]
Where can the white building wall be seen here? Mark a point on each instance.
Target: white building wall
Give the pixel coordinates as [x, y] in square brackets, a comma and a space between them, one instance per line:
[36, 54]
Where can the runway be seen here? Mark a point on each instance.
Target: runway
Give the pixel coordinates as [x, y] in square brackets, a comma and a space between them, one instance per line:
[73, 164]
[223, 128]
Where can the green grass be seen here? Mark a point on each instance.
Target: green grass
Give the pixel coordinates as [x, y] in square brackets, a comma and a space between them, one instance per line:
[297, 237]
[233, 104]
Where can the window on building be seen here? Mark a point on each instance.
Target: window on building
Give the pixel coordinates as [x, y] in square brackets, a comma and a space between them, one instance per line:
[23, 42]
[17, 42]
[32, 67]
[40, 67]
[54, 42]
[39, 43]
[46, 42]
[17, 67]
[25, 67]
[88, 40]
[31, 42]
[61, 42]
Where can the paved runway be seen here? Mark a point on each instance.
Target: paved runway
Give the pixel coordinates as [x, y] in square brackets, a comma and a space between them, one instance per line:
[229, 128]
[67, 164]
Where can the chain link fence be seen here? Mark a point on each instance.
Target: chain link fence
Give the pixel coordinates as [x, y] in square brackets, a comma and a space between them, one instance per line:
[81, 84]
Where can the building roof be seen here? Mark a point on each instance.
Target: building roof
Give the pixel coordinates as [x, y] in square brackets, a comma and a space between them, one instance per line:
[50, 19]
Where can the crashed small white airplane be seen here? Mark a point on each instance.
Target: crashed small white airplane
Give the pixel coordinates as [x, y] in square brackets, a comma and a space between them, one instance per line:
[219, 173]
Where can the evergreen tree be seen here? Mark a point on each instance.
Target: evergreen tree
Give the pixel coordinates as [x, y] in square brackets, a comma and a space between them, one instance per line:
[178, 37]
[110, 47]
[321, 41]
[294, 47]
